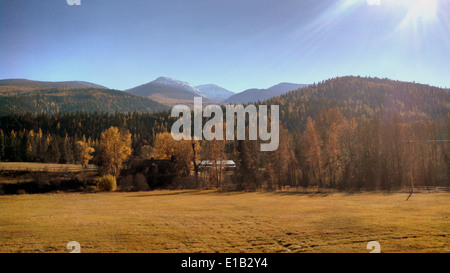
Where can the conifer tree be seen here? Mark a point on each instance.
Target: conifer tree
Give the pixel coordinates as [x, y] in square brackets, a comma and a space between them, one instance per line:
[2, 145]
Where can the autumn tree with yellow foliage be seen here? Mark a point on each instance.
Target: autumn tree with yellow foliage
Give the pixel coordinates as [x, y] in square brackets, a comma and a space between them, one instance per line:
[181, 152]
[115, 146]
[85, 152]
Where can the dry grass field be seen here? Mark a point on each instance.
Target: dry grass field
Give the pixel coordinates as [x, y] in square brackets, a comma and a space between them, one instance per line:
[209, 221]
[22, 172]
[43, 167]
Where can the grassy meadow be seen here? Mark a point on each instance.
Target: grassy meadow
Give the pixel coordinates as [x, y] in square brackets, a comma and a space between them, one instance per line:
[24, 174]
[211, 221]
[43, 167]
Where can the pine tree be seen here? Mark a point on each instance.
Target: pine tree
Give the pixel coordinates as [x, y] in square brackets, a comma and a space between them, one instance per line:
[313, 151]
[66, 150]
[2, 145]
[53, 154]
[269, 175]
[13, 147]
[31, 146]
[23, 146]
[283, 157]
[246, 175]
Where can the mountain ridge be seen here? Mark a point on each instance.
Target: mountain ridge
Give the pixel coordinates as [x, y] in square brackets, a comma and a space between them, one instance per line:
[170, 91]
[255, 94]
[372, 98]
[51, 100]
[26, 82]
[214, 92]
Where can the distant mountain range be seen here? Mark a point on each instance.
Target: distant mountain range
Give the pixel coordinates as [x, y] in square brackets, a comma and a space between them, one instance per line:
[24, 82]
[170, 92]
[22, 95]
[254, 95]
[355, 96]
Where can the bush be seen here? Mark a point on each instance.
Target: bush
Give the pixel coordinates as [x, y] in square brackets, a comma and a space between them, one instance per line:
[107, 183]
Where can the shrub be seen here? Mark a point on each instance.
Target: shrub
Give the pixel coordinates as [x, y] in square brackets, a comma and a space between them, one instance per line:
[107, 183]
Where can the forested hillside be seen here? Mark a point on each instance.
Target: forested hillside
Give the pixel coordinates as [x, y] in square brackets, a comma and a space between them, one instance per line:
[381, 99]
[21, 99]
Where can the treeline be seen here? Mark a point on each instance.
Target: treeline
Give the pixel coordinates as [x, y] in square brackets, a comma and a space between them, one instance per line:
[361, 154]
[347, 154]
[333, 151]
[53, 138]
[364, 133]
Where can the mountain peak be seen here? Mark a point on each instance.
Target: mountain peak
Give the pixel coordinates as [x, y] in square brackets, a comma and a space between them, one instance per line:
[214, 92]
[174, 82]
[168, 91]
[166, 80]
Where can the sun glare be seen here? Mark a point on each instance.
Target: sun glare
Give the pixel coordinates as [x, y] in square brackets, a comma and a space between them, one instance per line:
[418, 12]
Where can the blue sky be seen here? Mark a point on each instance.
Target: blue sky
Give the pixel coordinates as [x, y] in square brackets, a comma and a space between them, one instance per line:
[237, 44]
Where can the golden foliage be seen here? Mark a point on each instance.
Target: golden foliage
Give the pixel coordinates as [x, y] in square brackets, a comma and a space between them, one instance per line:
[313, 150]
[181, 152]
[107, 183]
[85, 152]
[115, 149]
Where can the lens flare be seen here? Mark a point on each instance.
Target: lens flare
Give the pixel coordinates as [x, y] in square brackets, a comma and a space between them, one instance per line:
[419, 12]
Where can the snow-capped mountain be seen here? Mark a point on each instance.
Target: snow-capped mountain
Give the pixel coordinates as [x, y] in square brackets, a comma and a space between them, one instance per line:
[168, 91]
[214, 92]
[178, 84]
